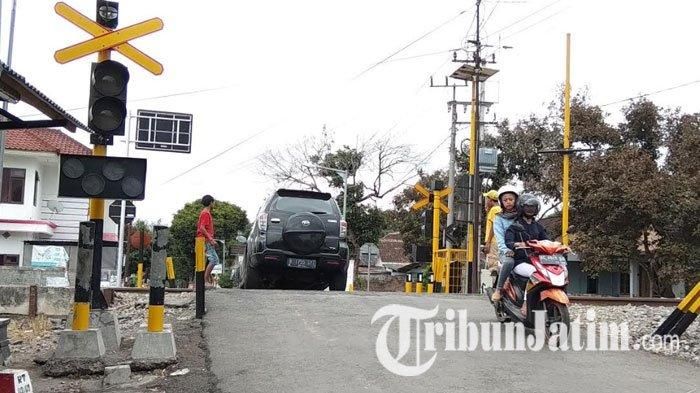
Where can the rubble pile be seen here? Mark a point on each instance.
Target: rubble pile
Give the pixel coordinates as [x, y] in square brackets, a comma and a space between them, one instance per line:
[643, 321]
[32, 338]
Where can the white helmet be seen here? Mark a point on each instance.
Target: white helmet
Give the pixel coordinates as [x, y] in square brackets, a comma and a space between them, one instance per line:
[506, 190]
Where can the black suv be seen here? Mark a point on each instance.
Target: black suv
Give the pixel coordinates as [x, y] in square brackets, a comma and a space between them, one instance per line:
[298, 241]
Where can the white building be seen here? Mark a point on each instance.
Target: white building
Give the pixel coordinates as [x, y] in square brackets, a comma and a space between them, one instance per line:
[37, 228]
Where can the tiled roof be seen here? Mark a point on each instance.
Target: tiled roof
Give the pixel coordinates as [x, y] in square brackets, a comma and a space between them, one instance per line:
[391, 249]
[44, 140]
[37, 99]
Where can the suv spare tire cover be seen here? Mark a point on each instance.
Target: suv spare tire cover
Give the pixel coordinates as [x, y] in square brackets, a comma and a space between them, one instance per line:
[304, 233]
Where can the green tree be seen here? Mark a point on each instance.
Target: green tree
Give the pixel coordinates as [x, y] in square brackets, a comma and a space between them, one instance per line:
[134, 255]
[229, 220]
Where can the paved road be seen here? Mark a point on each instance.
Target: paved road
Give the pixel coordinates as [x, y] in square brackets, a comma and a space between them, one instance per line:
[289, 341]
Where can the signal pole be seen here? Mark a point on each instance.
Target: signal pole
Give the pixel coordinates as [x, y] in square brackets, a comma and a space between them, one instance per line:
[474, 74]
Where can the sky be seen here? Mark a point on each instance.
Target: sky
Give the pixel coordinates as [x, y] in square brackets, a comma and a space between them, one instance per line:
[268, 73]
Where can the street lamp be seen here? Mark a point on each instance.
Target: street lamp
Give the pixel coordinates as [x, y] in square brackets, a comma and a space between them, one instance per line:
[344, 174]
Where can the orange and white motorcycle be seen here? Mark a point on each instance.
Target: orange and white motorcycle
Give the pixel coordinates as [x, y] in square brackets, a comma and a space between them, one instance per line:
[545, 289]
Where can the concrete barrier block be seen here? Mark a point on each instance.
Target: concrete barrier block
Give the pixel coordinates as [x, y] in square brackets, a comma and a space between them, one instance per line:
[85, 344]
[154, 346]
[108, 324]
[117, 375]
[14, 299]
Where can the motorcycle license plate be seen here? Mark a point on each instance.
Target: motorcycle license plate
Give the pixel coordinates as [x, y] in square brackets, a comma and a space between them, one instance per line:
[555, 259]
[301, 263]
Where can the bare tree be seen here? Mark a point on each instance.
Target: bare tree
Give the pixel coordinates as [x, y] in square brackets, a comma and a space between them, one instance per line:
[386, 159]
[377, 161]
[294, 164]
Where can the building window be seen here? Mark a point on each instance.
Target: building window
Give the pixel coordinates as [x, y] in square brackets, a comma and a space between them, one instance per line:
[624, 283]
[12, 185]
[9, 260]
[592, 285]
[36, 188]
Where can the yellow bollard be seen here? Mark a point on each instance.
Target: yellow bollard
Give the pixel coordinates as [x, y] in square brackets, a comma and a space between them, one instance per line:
[408, 285]
[156, 298]
[200, 257]
[81, 298]
[139, 275]
[170, 271]
[431, 284]
[81, 316]
[419, 283]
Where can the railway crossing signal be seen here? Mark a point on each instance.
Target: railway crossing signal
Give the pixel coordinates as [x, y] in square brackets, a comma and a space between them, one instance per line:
[100, 177]
[434, 197]
[107, 105]
[104, 39]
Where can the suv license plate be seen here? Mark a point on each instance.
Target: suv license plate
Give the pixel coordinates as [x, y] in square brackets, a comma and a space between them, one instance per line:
[301, 263]
[555, 259]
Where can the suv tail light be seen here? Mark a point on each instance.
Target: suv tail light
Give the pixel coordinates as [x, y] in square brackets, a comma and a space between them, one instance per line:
[262, 222]
[343, 229]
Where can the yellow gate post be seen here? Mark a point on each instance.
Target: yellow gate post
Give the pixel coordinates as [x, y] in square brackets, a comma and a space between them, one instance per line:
[156, 298]
[199, 251]
[83, 274]
[170, 271]
[408, 285]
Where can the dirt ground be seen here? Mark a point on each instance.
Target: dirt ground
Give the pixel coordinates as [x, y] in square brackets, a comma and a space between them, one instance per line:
[36, 339]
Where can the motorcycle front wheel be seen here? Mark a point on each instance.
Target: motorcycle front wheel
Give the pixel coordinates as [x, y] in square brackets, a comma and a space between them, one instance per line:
[556, 313]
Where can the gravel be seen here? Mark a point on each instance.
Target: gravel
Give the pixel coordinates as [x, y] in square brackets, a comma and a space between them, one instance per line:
[643, 321]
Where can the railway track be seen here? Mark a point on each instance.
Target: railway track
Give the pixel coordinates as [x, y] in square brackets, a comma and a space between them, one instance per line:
[621, 301]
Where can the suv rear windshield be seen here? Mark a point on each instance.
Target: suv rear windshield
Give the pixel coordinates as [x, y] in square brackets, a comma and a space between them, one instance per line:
[301, 205]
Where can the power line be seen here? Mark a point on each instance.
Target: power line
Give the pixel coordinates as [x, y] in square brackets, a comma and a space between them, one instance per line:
[522, 19]
[422, 55]
[653, 92]
[491, 13]
[264, 130]
[409, 45]
[426, 158]
[535, 24]
[183, 93]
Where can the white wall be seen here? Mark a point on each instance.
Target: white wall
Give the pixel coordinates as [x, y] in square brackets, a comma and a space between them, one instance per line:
[31, 163]
[14, 245]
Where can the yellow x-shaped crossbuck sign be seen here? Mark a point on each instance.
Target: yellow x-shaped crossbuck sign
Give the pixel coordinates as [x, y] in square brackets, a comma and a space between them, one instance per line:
[437, 198]
[104, 39]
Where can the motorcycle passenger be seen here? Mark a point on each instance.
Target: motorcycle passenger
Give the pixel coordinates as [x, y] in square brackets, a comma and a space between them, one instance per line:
[507, 198]
[528, 208]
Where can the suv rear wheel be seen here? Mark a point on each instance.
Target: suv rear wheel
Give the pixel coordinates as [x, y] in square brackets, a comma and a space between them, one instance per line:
[252, 279]
[338, 281]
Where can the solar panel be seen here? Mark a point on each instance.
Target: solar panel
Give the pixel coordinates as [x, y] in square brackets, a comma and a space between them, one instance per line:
[163, 131]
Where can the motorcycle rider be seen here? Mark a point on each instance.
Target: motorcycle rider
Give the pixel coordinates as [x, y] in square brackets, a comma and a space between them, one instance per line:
[528, 208]
[507, 198]
[516, 241]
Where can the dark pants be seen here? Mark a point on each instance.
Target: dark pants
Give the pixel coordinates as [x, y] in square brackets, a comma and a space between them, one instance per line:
[507, 264]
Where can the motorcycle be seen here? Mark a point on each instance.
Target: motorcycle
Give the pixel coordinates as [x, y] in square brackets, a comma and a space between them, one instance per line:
[544, 290]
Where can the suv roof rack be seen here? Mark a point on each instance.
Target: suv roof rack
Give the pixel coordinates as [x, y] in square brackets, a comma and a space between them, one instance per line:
[303, 194]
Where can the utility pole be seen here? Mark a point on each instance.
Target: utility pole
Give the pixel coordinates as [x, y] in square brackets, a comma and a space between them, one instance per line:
[451, 169]
[475, 75]
[474, 156]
